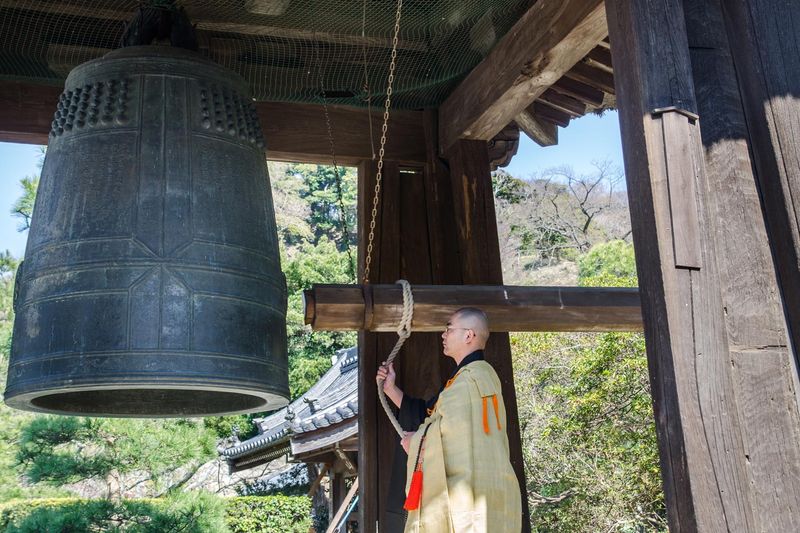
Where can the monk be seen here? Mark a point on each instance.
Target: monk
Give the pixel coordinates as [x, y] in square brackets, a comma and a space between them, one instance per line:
[459, 476]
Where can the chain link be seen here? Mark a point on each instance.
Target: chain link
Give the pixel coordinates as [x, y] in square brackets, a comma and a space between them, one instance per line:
[379, 174]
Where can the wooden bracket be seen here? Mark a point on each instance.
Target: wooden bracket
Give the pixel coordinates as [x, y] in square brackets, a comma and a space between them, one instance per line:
[680, 130]
[661, 110]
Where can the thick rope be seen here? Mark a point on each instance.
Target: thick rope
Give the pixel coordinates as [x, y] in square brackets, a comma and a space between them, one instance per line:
[403, 332]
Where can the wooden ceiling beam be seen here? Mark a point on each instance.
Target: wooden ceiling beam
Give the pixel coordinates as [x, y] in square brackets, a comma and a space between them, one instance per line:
[551, 37]
[293, 132]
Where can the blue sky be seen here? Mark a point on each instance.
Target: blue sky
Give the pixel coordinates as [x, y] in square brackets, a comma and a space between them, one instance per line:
[590, 138]
[587, 139]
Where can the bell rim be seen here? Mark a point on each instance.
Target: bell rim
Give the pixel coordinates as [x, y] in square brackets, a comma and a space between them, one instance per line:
[260, 400]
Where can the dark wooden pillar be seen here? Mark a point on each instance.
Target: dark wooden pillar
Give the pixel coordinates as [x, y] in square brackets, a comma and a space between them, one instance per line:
[761, 363]
[700, 437]
[402, 249]
[765, 44]
[435, 225]
[479, 254]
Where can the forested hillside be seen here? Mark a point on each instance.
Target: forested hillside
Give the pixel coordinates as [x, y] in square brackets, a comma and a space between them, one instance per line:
[584, 402]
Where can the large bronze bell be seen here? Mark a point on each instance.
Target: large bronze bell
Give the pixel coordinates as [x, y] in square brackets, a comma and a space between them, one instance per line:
[151, 284]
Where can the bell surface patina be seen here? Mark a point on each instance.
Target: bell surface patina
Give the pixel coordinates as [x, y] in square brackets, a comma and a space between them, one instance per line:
[151, 284]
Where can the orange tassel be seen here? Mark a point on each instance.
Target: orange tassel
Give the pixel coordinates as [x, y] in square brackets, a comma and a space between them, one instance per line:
[496, 410]
[414, 492]
[485, 417]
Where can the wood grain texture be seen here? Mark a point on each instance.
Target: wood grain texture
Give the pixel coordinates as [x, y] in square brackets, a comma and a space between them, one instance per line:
[765, 46]
[761, 363]
[579, 90]
[770, 443]
[563, 102]
[551, 37]
[26, 111]
[342, 307]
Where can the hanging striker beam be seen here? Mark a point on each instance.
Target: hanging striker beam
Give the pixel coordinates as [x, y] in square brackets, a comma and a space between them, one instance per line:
[509, 308]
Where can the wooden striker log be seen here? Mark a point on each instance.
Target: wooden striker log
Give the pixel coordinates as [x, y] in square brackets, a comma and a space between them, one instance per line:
[509, 308]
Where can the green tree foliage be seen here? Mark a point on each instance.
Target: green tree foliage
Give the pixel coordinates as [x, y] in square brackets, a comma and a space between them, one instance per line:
[23, 207]
[507, 188]
[310, 351]
[589, 437]
[308, 217]
[613, 260]
[59, 449]
[321, 192]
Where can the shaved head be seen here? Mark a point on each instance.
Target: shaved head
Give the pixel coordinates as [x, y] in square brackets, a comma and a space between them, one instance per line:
[476, 320]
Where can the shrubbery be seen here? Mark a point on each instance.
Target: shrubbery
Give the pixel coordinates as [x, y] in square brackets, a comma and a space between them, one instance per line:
[586, 419]
[269, 514]
[193, 512]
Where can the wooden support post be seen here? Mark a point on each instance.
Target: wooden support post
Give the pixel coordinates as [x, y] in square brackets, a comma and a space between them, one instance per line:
[761, 363]
[764, 41]
[435, 226]
[479, 256]
[700, 438]
[401, 249]
[344, 307]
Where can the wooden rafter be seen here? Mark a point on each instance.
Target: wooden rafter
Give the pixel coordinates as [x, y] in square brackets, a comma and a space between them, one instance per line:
[600, 57]
[580, 91]
[550, 114]
[563, 102]
[542, 46]
[593, 76]
[541, 132]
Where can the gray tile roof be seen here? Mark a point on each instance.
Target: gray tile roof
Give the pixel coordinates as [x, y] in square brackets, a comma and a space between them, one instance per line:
[332, 400]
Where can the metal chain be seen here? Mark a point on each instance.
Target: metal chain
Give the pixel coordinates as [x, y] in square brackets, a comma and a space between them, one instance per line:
[379, 174]
[367, 95]
[338, 179]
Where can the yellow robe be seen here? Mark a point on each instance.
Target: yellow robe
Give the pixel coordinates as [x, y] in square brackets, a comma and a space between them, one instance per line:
[468, 483]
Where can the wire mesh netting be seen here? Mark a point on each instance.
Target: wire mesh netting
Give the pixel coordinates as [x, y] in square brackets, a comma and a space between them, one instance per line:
[288, 50]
